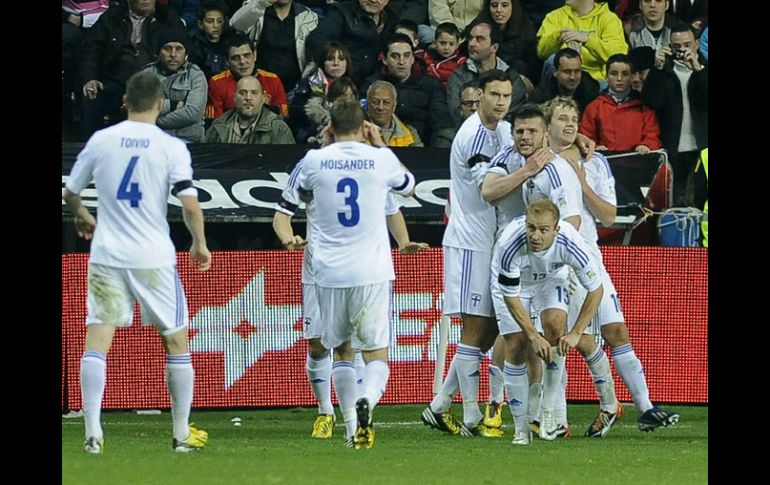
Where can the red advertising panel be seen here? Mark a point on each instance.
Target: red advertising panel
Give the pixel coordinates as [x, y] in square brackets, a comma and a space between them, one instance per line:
[247, 347]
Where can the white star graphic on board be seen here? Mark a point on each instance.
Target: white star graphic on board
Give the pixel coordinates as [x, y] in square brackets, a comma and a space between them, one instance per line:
[245, 328]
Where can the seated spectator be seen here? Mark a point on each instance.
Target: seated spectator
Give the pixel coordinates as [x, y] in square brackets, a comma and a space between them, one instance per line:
[410, 29]
[617, 120]
[651, 26]
[317, 108]
[519, 40]
[241, 58]
[184, 88]
[121, 42]
[279, 29]
[363, 26]
[568, 79]
[443, 56]
[470, 98]
[249, 122]
[187, 11]
[381, 103]
[483, 43]
[459, 13]
[333, 63]
[586, 26]
[208, 48]
[642, 60]
[421, 101]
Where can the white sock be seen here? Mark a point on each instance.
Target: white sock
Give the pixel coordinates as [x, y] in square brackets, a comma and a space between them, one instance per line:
[560, 406]
[517, 387]
[552, 379]
[180, 378]
[376, 378]
[344, 379]
[468, 375]
[630, 369]
[93, 374]
[319, 373]
[535, 394]
[443, 400]
[599, 366]
[358, 361]
[496, 383]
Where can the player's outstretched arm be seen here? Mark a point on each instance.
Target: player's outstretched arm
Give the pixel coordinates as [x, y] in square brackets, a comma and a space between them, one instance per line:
[397, 227]
[285, 233]
[85, 223]
[193, 219]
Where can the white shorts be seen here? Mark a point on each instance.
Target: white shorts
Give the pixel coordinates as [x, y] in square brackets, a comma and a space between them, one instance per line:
[311, 317]
[360, 314]
[550, 294]
[466, 282]
[609, 308]
[112, 293]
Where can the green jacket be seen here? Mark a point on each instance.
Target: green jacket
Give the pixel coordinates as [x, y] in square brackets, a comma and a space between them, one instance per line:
[269, 129]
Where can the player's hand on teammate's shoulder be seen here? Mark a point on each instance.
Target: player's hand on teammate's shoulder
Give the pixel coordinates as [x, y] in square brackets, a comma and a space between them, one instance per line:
[85, 226]
[542, 157]
[412, 247]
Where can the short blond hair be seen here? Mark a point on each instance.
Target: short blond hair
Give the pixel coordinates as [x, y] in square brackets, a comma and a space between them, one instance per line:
[543, 206]
[558, 102]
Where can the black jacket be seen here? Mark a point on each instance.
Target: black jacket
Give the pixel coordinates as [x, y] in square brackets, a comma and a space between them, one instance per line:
[547, 89]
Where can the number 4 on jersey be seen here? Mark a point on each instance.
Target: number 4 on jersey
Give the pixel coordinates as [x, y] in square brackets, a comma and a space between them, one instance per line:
[130, 193]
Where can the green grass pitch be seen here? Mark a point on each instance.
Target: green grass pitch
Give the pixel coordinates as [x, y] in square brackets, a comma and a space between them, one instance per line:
[274, 446]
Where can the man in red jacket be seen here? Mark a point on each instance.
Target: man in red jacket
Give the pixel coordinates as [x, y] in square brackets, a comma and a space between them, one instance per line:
[617, 119]
[241, 58]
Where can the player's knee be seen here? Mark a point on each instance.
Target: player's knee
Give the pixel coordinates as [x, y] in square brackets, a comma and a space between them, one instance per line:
[176, 343]
[554, 322]
[615, 334]
[586, 345]
[99, 338]
[315, 348]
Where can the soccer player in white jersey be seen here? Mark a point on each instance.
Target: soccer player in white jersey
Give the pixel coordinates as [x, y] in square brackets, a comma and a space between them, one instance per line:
[349, 183]
[133, 164]
[467, 248]
[598, 188]
[319, 363]
[528, 268]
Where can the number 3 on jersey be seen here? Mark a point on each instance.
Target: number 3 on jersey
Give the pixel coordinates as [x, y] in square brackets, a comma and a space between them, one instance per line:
[351, 200]
[126, 192]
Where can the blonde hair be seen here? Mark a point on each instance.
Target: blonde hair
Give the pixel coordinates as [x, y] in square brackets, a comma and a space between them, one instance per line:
[543, 206]
[558, 102]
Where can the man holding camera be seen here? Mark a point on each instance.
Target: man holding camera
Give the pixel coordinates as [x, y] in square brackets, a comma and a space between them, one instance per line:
[677, 89]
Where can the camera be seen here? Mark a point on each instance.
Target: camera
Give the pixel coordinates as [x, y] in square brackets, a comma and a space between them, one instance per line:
[678, 55]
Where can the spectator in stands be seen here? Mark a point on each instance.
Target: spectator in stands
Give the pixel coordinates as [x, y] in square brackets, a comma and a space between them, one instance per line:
[249, 122]
[77, 17]
[460, 13]
[519, 41]
[568, 79]
[317, 108]
[241, 59]
[121, 42]
[208, 48]
[704, 44]
[279, 29]
[421, 101]
[693, 12]
[536, 10]
[586, 26]
[184, 88]
[187, 11]
[381, 102]
[470, 98]
[642, 60]
[483, 43]
[363, 26]
[651, 26]
[677, 89]
[333, 62]
[617, 120]
[443, 57]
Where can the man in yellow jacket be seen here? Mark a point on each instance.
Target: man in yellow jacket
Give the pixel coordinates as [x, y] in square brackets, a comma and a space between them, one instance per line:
[590, 28]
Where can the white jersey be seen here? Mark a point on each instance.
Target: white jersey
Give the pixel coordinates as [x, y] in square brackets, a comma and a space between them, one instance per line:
[350, 182]
[133, 165]
[472, 223]
[599, 177]
[291, 203]
[520, 268]
[507, 161]
[557, 182]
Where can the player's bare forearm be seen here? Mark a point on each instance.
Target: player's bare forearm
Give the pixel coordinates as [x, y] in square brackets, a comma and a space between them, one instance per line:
[588, 310]
[600, 208]
[285, 233]
[85, 223]
[397, 227]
